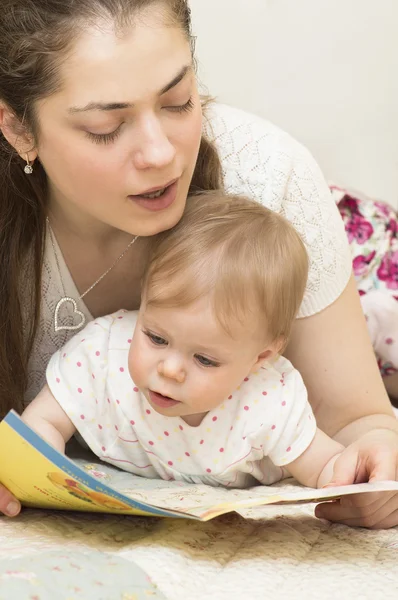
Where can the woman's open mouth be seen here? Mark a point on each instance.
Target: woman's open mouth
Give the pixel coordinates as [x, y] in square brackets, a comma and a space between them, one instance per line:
[159, 199]
[162, 401]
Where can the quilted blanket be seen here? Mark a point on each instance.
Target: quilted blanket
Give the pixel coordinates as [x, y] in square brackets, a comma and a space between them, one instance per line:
[278, 552]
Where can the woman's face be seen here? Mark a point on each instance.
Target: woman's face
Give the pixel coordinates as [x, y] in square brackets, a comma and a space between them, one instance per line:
[126, 121]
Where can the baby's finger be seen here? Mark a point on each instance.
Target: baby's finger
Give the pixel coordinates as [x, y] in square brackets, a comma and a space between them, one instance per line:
[8, 504]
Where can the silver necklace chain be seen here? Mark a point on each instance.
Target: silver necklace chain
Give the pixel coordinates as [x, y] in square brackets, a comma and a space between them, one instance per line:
[67, 299]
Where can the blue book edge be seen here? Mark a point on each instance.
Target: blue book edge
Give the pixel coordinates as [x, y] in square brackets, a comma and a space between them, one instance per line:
[68, 466]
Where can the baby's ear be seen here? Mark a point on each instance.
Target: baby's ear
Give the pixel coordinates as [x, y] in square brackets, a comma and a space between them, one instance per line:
[268, 353]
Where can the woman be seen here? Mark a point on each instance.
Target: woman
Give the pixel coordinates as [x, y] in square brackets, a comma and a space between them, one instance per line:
[101, 123]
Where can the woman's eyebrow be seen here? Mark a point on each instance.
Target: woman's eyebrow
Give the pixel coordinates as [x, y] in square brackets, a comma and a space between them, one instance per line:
[109, 106]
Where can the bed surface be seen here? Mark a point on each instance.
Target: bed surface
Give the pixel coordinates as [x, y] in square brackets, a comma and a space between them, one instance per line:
[276, 552]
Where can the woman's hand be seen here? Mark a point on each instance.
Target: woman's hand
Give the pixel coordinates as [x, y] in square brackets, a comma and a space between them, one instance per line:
[374, 457]
[8, 504]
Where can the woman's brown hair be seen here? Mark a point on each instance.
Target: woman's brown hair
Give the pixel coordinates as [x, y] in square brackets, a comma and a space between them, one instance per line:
[35, 35]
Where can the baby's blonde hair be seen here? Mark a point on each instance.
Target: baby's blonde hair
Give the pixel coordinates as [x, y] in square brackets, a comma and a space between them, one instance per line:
[247, 258]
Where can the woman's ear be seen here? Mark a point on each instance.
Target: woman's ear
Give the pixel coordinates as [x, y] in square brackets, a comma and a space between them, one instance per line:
[16, 135]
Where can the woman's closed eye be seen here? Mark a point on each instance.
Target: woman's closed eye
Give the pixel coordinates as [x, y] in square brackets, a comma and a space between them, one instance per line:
[157, 340]
[206, 362]
[108, 138]
[104, 138]
[187, 107]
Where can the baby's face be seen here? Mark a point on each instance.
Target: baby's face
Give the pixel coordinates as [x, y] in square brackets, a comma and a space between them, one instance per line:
[186, 364]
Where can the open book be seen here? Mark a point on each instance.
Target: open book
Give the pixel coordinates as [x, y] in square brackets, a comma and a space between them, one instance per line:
[41, 477]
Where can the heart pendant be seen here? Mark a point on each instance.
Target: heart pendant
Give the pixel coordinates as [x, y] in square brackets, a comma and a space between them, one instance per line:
[57, 326]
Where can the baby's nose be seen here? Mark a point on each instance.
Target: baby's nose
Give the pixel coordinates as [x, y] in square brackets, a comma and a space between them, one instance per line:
[172, 369]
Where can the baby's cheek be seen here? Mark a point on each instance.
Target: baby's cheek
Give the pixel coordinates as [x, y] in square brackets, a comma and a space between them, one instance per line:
[135, 366]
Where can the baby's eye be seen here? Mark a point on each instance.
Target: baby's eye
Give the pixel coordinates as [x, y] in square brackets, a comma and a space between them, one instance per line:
[156, 339]
[206, 362]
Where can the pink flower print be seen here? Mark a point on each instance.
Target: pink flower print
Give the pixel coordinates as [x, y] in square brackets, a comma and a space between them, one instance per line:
[393, 226]
[348, 204]
[383, 208]
[388, 270]
[361, 264]
[358, 229]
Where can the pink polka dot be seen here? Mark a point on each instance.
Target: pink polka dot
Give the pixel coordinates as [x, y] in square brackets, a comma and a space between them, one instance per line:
[99, 426]
[58, 380]
[221, 449]
[170, 463]
[202, 442]
[117, 401]
[136, 389]
[265, 393]
[246, 407]
[121, 369]
[132, 422]
[187, 454]
[129, 341]
[97, 353]
[389, 341]
[231, 427]
[103, 448]
[181, 427]
[151, 443]
[79, 364]
[63, 356]
[108, 400]
[273, 427]
[148, 412]
[82, 417]
[288, 449]
[80, 390]
[166, 433]
[246, 379]
[284, 403]
[208, 470]
[117, 428]
[214, 418]
[92, 375]
[120, 317]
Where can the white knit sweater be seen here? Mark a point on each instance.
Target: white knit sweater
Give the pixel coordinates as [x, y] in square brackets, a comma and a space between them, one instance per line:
[262, 162]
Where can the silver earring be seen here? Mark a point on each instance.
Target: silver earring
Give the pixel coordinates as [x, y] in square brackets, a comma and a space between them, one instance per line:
[28, 167]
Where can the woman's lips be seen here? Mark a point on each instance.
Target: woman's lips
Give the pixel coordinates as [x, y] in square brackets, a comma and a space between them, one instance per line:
[162, 401]
[160, 203]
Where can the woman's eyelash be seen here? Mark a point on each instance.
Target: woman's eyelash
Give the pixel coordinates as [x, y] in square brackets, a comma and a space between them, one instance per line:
[108, 138]
[188, 106]
[104, 138]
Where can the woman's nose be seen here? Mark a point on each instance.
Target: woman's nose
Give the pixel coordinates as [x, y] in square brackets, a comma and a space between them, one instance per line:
[154, 150]
[172, 369]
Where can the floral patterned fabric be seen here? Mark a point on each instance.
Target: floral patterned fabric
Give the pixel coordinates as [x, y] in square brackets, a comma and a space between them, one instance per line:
[372, 230]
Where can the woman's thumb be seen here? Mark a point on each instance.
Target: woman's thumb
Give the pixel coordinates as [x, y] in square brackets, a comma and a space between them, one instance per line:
[345, 469]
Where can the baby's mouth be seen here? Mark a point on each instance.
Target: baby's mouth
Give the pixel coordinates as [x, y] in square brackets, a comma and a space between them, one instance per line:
[162, 401]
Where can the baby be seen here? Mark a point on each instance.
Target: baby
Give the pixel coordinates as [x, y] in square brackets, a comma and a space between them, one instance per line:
[193, 387]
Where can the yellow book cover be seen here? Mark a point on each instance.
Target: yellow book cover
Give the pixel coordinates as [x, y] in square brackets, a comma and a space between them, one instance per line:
[41, 477]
